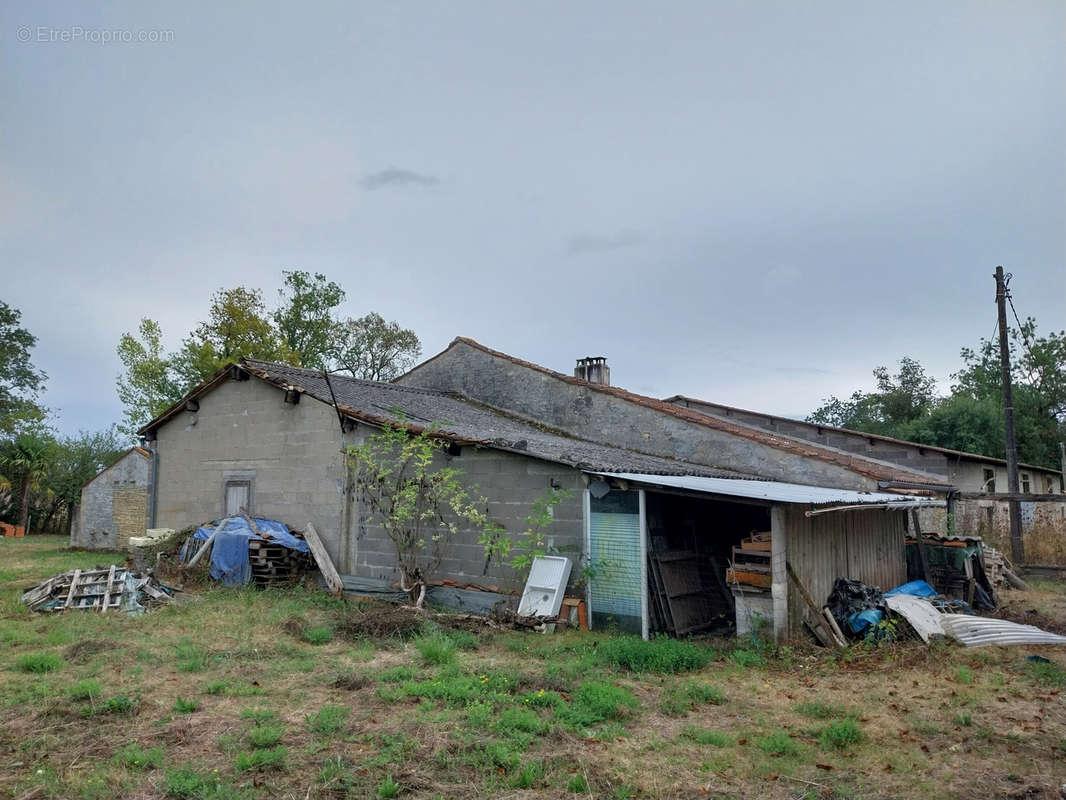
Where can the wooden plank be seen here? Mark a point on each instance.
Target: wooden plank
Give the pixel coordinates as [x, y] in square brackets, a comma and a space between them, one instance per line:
[207, 545]
[73, 586]
[751, 578]
[838, 634]
[107, 590]
[325, 564]
[921, 545]
[817, 618]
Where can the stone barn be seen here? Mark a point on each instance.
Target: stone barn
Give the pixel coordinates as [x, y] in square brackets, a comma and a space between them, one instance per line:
[114, 504]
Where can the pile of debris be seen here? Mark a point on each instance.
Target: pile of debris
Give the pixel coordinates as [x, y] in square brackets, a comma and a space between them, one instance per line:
[246, 549]
[102, 589]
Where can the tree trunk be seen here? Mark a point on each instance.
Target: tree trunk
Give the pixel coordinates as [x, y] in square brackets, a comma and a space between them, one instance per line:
[24, 513]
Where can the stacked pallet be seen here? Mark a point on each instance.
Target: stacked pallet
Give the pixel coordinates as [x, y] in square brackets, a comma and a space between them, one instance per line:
[103, 589]
[273, 563]
[751, 562]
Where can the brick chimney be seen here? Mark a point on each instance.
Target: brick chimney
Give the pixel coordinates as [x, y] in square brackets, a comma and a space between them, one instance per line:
[593, 369]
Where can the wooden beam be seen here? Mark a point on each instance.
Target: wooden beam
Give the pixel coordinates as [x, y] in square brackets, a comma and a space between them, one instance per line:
[817, 618]
[921, 545]
[325, 564]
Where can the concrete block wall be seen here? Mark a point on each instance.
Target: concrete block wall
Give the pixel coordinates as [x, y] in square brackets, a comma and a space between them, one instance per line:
[243, 430]
[510, 484]
[602, 417]
[97, 528]
[293, 456]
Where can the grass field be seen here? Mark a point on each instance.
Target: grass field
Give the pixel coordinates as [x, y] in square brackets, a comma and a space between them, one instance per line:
[280, 694]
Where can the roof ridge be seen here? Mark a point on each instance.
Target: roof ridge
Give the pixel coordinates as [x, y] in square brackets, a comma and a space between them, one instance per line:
[317, 373]
[801, 447]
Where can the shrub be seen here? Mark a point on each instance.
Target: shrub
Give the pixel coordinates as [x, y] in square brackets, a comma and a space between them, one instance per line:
[39, 662]
[841, 735]
[262, 759]
[183, 706]
[185, 783]
[120, 704]
[265, 735]
[328, 719]
[436, 649]
[85, 689]
[318, 634]
[135, 757]
[661, 655]
[388, 788]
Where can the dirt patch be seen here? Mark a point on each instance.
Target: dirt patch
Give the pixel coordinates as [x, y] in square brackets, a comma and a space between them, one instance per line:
[294, 626]
[1030, 616]
[83, 652]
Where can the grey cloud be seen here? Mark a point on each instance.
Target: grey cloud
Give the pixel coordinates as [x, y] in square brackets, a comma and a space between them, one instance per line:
[593, 243]
[395, 176]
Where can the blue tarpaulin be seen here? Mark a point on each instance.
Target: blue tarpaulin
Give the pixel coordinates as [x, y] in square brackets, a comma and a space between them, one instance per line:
[229, 554]
[916, 588]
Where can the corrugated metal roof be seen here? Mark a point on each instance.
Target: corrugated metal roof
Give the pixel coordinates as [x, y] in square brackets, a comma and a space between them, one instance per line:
[775, 491]
[981, 631]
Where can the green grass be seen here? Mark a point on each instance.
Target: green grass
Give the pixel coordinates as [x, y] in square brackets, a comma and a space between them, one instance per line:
[133, 756]
[259, 715]
[841, 735]
[85, 689]
[707, 737]
[274, 758]
[184, 706]
[318, 634]
[120, 704]
[436, 649]
[531, 774]
[577, 784]
[778, 743]
[328, 719]
[265, 735]
[388, 788]
[661, 655]
[189, 657]
[39, 662]
[1046, 673]
[397, 674]
[963, 674]
[596, 702]
[684, 696]
[818, 710]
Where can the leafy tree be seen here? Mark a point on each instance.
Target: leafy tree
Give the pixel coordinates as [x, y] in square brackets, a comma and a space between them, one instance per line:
[148, 385]
[237, 326]
[899, 400]
[375, 350]
[25, 461]
[77, 459]
[20, 381]
[407, 488]
[305, 318]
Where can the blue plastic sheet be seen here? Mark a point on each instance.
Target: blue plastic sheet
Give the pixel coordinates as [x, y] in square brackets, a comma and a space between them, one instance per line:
[861, 620]
[916, 588]
[229, 554]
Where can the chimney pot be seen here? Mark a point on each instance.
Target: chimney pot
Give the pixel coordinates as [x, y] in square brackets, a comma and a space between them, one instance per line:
[593, 369]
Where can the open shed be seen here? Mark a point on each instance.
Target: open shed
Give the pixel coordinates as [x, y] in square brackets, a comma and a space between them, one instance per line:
[665, 552]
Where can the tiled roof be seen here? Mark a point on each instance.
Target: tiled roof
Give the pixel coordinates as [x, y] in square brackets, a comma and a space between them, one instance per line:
[469, 422]
[864, 466]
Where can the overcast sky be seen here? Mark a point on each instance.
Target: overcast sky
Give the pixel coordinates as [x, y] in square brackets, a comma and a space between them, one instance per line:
[751, 202]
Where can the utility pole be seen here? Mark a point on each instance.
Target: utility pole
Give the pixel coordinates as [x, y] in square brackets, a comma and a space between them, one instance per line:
[1017, 547]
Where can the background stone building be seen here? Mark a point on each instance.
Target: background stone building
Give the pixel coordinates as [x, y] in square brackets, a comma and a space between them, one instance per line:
[114, 504]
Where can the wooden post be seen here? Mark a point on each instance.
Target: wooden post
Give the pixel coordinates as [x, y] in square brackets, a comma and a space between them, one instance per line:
[921, 545]
[207, 545]
[1017, 546]
[778, 572]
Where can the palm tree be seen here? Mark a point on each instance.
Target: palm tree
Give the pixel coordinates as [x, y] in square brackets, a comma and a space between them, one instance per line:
[25, 460]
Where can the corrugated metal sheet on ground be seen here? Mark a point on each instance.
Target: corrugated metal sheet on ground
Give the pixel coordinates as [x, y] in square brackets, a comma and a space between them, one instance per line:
[776, 491]
[983, 631]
